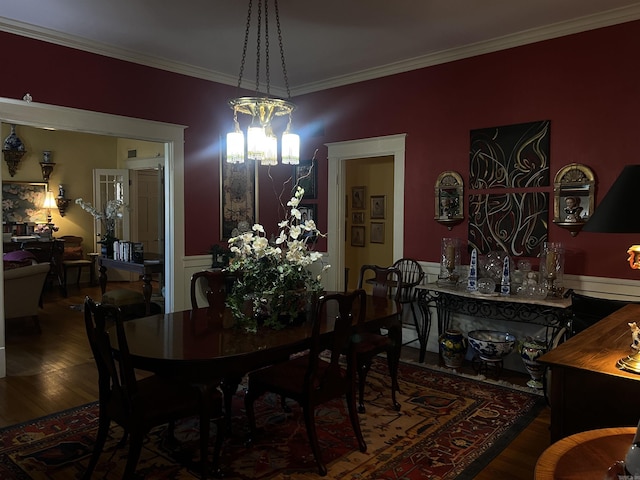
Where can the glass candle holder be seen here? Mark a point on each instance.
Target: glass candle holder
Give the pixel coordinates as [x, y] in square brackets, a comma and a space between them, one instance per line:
[450, 261]
[552, 268]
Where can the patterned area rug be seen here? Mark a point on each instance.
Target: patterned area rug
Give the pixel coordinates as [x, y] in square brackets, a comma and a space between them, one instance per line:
[449, 427]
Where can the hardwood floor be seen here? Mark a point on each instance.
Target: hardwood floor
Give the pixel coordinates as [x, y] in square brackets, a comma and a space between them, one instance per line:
[54, 371]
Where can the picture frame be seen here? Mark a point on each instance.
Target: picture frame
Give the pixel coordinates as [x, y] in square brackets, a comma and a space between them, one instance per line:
[357, 236]
[238, 193]
[357, 198]
[22, 202]
[309, 211]
[377, 232]
[378, 206]
[306, 176]
[357, 218]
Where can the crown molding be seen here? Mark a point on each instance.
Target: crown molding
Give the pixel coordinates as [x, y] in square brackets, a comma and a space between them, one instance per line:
[578, 25]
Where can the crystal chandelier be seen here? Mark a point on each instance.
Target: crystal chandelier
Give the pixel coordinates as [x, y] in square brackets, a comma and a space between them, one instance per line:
[262, 144]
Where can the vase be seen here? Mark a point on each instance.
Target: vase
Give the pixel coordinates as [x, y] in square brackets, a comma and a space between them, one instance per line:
[277, 311]
[530, 351]
[106, 248]
[453, 347]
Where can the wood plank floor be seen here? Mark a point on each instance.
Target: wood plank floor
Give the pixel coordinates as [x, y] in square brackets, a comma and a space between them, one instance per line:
[54, 371]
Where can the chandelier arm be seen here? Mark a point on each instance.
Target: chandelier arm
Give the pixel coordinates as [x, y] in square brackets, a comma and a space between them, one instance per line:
[246, 43]
[284, 66]
[258, 47]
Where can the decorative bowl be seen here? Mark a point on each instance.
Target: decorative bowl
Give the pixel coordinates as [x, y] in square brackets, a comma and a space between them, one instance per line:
[492, 345]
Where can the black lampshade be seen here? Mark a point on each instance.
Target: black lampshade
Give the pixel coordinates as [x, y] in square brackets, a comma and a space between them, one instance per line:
[619, 210]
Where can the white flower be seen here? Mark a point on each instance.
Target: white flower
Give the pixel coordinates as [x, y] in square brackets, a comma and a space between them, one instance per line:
[295, 232]
[257, 228]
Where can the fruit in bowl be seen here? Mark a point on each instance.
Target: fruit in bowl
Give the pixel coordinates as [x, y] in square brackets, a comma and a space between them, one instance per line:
[492, 345]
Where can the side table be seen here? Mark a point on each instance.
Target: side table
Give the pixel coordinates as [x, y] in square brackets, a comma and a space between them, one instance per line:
[584, 455]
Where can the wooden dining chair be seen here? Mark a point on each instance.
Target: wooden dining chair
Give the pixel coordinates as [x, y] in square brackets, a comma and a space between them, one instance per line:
[140, 405]
[74, 257]
[215, 284]
[412, 275]
[370, 343]
[311, 380]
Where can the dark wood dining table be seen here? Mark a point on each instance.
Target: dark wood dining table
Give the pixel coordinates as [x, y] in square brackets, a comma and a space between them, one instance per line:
[195, 345]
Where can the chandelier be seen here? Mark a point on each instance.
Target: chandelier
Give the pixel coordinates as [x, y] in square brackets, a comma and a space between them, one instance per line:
[262, 144]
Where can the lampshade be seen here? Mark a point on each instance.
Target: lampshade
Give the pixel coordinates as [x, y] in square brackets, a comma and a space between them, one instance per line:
[49, 200]
[616, 212]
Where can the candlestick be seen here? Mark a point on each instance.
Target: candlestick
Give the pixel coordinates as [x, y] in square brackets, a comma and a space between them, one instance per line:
[551, 264]
[450, 257]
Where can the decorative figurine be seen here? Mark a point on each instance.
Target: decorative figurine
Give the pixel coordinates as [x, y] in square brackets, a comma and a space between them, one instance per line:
[635, 336]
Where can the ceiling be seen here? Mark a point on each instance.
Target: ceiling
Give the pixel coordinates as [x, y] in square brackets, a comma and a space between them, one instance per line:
[327, 43]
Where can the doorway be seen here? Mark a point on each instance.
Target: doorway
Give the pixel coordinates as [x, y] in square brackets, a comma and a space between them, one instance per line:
[339, 153]
[172, 136]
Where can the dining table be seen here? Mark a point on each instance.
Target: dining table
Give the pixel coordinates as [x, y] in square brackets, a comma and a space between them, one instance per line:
[202, 345]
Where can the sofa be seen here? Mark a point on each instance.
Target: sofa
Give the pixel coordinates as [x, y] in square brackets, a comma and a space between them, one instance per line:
[23, 290]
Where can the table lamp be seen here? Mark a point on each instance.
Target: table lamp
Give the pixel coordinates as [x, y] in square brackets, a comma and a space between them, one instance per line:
[49, 203]
[615, 214]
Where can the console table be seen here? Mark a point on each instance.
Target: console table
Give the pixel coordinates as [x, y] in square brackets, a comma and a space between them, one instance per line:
[146, 270]
[587, 390]
[553, 313]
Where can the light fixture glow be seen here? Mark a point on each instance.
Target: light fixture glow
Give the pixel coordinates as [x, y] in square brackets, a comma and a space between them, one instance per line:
[262, 108]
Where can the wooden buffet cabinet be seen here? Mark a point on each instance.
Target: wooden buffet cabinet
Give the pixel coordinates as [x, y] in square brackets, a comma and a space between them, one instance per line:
[587, 390]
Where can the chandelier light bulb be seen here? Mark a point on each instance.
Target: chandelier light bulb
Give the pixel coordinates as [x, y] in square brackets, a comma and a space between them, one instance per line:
[271, 150]
[290, 148]
[256, 140]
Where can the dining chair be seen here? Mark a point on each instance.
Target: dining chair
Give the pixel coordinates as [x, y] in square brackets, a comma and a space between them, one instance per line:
[312, 380]
[74, 257]
[370, 343]
[139, 405]
[412, 275]
[215, 284]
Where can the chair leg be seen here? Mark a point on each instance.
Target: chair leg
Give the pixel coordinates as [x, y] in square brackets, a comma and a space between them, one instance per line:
[393, 372]
[101, 437]
[135, 447]
[78, 276]
[217, 449]
[249, 398]
[205, 415]
[355, 421]
[310, 422]
[363, 369]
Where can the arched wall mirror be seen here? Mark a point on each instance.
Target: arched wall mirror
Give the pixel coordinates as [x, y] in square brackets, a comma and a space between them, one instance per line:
[449, 200]
[573, 188]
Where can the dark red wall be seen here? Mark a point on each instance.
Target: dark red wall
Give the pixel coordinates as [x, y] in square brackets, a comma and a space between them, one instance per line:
[585, 84]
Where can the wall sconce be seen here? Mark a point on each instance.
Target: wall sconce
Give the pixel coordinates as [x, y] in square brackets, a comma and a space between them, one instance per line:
[47, 165]
[62, 202]
[13, 150]
[49, 203]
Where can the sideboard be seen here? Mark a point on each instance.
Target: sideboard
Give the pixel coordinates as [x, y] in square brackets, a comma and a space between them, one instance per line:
[552, 313]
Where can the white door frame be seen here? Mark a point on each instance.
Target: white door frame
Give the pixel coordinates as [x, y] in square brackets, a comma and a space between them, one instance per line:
[172, 135]
[339, 153]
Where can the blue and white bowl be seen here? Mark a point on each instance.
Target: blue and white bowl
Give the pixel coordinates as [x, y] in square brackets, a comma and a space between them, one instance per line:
[491, 345]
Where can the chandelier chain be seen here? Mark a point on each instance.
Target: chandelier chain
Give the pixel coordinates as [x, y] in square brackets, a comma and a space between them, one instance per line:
[246, 43]
[284, 66]
[258, 46]
[266, 46]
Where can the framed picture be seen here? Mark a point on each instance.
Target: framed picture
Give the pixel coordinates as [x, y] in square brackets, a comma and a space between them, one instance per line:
[357, 236]
[357, 218]
[22, 202]
[377, 232]
[377, 206]
[306, 176]
[357, 198]
[309, 211]
[237, 196]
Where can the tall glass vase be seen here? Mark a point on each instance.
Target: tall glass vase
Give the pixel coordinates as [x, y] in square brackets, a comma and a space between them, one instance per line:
[552, 268]
[449, 262]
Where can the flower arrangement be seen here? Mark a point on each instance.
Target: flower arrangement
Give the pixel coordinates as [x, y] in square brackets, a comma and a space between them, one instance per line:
[112, 211]
[273, 277]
